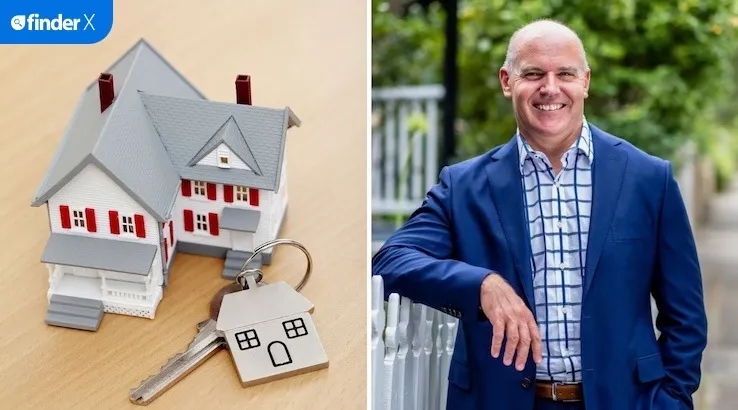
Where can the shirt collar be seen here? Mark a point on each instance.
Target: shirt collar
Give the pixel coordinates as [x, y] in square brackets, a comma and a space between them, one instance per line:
[583, 144]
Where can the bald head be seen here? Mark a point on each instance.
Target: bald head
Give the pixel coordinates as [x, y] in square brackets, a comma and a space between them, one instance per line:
[537, 31]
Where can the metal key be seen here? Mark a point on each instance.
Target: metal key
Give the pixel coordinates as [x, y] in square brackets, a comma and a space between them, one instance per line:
[206, 343]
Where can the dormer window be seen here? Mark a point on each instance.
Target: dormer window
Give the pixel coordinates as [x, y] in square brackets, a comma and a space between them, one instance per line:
[223, 159]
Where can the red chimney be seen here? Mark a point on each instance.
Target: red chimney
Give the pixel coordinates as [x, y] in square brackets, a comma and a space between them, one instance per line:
[107, 94]
[243, 89]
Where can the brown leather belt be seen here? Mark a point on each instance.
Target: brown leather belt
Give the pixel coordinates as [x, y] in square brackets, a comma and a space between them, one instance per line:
[559, 391]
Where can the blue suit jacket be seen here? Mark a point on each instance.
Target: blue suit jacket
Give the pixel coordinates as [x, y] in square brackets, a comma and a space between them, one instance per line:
[473, 222]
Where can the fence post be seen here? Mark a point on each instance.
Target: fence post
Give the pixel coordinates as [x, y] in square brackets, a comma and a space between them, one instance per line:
[377, 348]
[411, 349]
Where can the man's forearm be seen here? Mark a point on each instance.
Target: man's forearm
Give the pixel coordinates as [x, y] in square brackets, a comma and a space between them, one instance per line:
[438, 283]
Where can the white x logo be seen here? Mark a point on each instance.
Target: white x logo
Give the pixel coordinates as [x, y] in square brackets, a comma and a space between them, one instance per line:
[89, 22]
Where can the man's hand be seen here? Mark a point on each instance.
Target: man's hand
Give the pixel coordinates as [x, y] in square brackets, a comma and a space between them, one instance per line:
[507, 312]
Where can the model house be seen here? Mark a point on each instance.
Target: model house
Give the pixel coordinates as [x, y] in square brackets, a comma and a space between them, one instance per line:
[270, 333]
[147, 168]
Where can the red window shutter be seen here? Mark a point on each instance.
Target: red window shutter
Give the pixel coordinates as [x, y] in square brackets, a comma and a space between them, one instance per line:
[171, 233]
[140, 229]
[91, 223]
[186, 188]
[211, 192]
[166, 252]
[114, 222]
[254, 196]
[65, 220]
[228, 193]
[189, 224]
[213, 220]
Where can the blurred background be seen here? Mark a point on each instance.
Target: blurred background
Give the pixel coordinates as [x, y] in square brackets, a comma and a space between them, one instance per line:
[663, 77]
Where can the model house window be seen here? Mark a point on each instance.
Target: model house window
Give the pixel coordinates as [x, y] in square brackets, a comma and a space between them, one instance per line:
[223, 161]
[242, 193]
[78, 217]
[202, 222]
[200, 188]
[127, 224]
[294, 328]
[247, 339]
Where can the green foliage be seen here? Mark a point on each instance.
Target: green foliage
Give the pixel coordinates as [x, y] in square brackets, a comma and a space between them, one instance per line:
[722, 148]
[662, 70]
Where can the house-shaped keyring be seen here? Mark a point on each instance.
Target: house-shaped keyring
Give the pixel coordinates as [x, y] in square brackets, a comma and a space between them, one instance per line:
[270, 333]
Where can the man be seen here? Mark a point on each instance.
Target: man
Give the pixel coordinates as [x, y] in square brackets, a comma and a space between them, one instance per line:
[549, 248]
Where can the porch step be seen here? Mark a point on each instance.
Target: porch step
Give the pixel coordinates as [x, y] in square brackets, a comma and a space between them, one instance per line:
[74, 312]
[234, 262]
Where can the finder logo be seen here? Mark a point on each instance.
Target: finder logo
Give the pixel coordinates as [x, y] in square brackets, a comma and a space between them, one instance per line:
[18, 22]
[55, 22]
[34, 22]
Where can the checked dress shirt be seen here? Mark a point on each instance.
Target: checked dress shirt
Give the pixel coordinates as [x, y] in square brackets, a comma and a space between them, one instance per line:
[558, 209]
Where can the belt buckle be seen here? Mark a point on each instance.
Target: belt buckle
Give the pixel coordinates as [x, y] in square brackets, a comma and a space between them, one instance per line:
[553, 390]
[554, 397]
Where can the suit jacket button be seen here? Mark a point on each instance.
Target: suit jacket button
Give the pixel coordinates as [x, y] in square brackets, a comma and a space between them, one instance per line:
[525, 383]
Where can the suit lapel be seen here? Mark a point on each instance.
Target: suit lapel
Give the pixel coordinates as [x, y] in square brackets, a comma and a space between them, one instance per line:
[607, 179]
[503, 173]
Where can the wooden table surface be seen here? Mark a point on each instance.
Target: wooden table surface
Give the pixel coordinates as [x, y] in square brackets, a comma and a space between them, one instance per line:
[308, 55]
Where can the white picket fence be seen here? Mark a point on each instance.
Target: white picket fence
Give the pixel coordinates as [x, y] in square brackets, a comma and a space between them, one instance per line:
[404, 158]
[412, 346]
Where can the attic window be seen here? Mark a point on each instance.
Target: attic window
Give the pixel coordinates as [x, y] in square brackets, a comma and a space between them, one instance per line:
[223, 160]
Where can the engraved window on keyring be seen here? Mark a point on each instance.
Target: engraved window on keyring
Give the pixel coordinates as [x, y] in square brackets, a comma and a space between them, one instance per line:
[200, 188]
[294, 328]
[79, 219]
[247, 339]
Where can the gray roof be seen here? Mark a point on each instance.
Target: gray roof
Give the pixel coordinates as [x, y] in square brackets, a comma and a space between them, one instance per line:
[255, 134]
[261, 304]
[139, 141]
[237, 219]
[97, 253]
[230, 135]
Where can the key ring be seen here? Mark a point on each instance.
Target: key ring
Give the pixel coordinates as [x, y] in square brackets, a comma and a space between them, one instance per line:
[241, 277]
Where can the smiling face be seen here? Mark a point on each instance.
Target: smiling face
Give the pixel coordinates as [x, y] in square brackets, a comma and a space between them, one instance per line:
[548, 83]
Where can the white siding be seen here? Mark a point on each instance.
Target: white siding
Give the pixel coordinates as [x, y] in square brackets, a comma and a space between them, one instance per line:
[242, 241]
[202, 205]
[92, 188]
[212, 158]
[167, 238]
[264, 232]
[280, 202]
